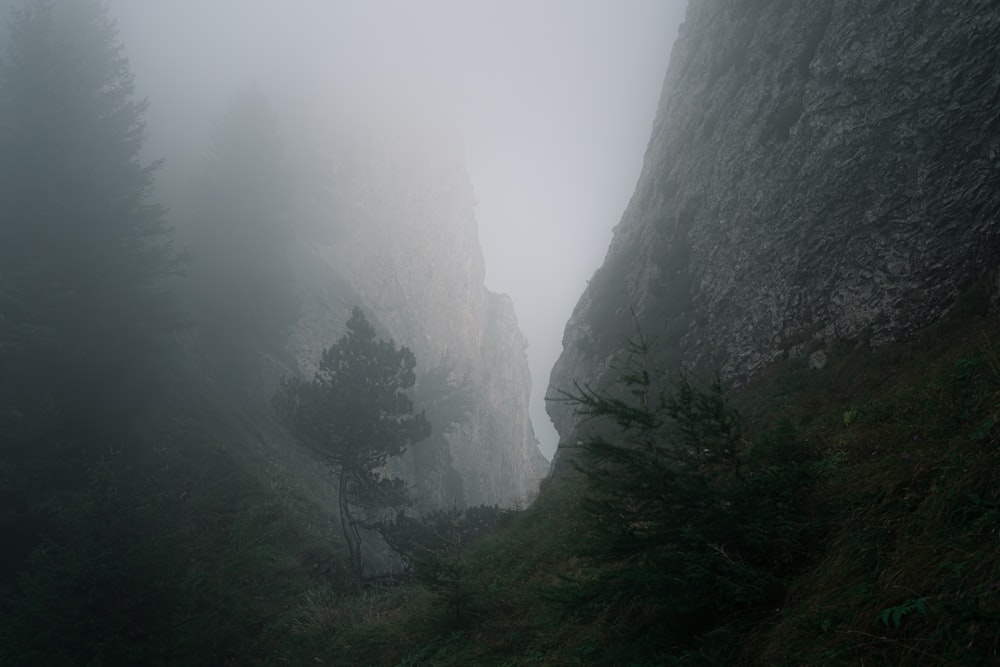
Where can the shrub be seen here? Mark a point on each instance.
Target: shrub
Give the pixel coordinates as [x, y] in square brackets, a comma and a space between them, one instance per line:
[691, 524]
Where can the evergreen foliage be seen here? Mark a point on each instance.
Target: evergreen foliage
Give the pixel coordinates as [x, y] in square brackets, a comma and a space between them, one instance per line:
[435, 546]
[843, 516]
[356, 414]
[688, 519]
[84, 252]
[102, 589]
[448, 401]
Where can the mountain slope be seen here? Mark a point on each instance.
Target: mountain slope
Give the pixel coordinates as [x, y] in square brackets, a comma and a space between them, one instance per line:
[398, 236]
[818, 170]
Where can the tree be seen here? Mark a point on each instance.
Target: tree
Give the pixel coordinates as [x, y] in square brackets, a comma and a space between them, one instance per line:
[687, 519]
[435, 545]
[449, 400]
[85, 263]
[356, 414]
[241, 280]
[84, 252]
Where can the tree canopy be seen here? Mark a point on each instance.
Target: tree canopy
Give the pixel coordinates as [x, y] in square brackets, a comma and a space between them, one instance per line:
[356, 414]
[84, 250]
[699, 522]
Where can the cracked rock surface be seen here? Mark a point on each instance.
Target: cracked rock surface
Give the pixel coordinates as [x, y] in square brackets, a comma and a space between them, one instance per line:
[818, 170]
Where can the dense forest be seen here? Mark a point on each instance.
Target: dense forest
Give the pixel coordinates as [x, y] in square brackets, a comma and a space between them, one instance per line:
[173, 492]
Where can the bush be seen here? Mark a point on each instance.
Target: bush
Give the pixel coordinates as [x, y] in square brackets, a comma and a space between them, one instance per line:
[691, 524]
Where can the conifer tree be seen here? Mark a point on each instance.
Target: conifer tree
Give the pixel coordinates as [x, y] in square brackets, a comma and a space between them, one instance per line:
[84, 250]
[356, 414]
[686, 517]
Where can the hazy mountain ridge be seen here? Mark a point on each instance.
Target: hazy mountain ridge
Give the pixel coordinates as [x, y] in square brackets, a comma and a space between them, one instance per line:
[399, 237]
[817, 171]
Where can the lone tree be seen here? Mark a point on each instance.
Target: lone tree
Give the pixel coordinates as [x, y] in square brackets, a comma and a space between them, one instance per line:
[355, 414]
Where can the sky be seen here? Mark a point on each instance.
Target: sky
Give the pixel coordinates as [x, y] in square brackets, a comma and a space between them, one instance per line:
[554, 100]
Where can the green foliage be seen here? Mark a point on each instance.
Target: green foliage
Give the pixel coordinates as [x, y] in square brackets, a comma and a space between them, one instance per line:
[447, 398]
[690, 523]
[435, 545]
[907, 573]
[883, 551]
[355, 414]
[84, 253]
[895, 614]
[189, 551]
[95, 592]
[85, 303]
[412, 536]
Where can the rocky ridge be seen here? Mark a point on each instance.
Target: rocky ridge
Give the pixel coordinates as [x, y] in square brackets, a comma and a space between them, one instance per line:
[399, 239]
[819, 170]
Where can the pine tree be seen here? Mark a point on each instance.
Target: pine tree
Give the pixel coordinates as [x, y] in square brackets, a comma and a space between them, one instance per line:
[84, 251]
[686, 518]
[355, 414]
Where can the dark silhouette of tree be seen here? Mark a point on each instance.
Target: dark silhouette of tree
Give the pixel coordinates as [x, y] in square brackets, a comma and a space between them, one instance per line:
[84, 252]
[699, 523]
[356, 414]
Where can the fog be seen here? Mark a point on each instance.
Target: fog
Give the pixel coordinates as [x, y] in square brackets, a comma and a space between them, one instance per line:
[554, 101]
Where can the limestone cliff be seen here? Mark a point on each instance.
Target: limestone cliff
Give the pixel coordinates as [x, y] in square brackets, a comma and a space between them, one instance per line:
[818, 170]
[397, 236]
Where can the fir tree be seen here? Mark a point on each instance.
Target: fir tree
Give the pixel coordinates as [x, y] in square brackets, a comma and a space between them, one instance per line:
[355, 414]
[84, 250]
[687, 519]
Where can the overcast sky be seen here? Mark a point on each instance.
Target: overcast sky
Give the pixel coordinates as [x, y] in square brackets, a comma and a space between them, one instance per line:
[554, 99]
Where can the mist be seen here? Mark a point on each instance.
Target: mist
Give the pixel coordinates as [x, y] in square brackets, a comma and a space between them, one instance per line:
[552, 101]
[282, 287]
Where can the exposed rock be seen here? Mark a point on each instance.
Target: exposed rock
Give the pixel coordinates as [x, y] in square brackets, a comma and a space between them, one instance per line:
[402, 244]
[818, 170]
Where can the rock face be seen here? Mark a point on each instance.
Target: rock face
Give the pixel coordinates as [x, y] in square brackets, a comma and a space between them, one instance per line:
[818, 170]
[397, 236]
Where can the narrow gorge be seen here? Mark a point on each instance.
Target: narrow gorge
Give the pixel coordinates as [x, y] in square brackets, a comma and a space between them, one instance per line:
[818, 171]
[398, 238]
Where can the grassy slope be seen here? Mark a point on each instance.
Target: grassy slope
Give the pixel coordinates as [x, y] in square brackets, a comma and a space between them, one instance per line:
[193, 544]
[909, 575]
[227, 538]
[911, 433]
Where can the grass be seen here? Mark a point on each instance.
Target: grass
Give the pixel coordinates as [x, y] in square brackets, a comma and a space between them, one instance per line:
[907, 576]
[908, 439]
[232, 533]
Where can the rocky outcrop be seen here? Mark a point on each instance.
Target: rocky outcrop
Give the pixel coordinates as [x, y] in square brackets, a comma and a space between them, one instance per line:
[398, 238]
[818, 170]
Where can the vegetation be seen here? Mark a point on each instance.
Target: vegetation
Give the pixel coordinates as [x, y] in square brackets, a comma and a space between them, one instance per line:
[839, 538]
[84, 252]
[841, 516]
[891, 539]
[85, 264]
[684, 514]
[355, 414]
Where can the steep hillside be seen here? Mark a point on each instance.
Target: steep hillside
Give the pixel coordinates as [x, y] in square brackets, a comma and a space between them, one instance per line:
[398, 238]
[818, 171]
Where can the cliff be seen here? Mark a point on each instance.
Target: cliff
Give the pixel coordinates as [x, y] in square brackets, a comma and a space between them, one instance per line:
[396, 235]
[819, 170]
